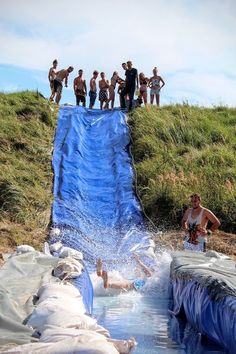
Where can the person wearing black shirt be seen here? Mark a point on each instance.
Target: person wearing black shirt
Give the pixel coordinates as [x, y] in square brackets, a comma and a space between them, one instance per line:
[130, 85]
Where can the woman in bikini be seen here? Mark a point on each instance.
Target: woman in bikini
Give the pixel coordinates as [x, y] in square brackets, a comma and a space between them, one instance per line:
[155, 83]
[114, 79]
[143, 81]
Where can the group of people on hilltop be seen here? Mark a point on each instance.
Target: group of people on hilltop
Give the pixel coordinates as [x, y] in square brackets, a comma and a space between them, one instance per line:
[107, 89]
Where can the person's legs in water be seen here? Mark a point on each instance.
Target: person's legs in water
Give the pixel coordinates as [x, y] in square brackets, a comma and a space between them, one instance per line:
[122, 284]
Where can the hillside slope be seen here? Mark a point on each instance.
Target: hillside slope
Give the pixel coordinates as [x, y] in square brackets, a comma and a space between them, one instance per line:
[176, 149]
[183, 149]
[26, 142]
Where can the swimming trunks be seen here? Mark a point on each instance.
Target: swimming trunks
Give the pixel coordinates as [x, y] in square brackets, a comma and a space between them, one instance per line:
[57, 86]
[138, 284]
[103, 95]
[93, 96]
[80, 98]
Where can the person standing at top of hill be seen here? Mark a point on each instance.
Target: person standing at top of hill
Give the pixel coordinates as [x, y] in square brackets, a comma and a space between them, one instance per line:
[143, 81]
[155, 83]
[103, 86]
[52, 75]
[131, 82]
[58, 82]
[80, 89]
[114, 80]
[93, 89]
[195, 222]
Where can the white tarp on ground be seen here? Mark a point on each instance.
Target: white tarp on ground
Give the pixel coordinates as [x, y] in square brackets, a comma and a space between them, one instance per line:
[41, 314]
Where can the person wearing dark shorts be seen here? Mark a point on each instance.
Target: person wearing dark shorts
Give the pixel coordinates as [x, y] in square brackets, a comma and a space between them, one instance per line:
[58, 83]
[93, 89]
[103, 87]
[130, 85]
[80, 89]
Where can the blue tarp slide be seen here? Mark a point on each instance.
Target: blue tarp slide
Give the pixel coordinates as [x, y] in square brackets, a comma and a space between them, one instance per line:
[95, 206]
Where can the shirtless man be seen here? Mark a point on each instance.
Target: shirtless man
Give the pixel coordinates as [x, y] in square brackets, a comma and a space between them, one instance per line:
[58, 82]
[125, 284]
[155, 83]
[80, 89]
[194, 223]
[51, 77]
[93, 89]
[103, 86]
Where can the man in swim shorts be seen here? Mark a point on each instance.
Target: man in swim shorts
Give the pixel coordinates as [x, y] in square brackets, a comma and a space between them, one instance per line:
[58, 82]
[194, 224]
[80, 89]
[103, 94]
[51, 77]
[124, 284]
[93, 89]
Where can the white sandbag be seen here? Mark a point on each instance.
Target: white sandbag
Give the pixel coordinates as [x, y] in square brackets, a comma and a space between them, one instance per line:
[87, 345]
[55, 232]
[70, 252]
[68, 268]
[55, 247]
[64, 319]
[24, 249]
[56, 334]
[75, 306]
[58, 291]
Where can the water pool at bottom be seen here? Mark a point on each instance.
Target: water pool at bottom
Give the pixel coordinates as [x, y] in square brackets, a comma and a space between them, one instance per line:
[148, 320]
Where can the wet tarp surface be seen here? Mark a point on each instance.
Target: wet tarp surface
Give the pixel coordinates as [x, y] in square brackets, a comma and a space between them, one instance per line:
[20, 278]
[205, 289]
[95, 206]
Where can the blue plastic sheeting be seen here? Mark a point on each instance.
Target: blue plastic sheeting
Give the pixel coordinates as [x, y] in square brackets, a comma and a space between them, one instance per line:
[84, 284]
[95, 206]
[194, 285]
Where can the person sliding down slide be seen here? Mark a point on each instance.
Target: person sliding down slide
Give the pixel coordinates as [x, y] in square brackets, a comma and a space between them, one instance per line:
[124, 284]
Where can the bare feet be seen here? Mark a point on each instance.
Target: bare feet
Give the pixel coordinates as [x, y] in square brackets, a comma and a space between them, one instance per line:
[105, 279]
[99, 267]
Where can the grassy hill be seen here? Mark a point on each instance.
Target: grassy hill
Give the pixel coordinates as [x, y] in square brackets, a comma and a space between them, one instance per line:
[183, 149]
[26, 142]
[177, 150]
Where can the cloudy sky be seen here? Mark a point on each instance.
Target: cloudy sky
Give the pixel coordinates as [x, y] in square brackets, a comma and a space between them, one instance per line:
[192, 42]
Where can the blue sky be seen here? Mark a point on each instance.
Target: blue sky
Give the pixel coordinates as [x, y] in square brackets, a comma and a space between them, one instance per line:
[193, 44]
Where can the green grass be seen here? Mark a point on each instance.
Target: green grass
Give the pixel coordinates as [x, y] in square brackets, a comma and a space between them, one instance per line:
[26, 142]
[177, 150]
[183, 149]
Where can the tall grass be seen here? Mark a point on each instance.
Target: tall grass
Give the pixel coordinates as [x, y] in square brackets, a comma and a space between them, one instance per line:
[26, 141]
[183, 149]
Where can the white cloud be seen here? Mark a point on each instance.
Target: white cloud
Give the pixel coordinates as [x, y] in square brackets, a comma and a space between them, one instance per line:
[176, 36]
